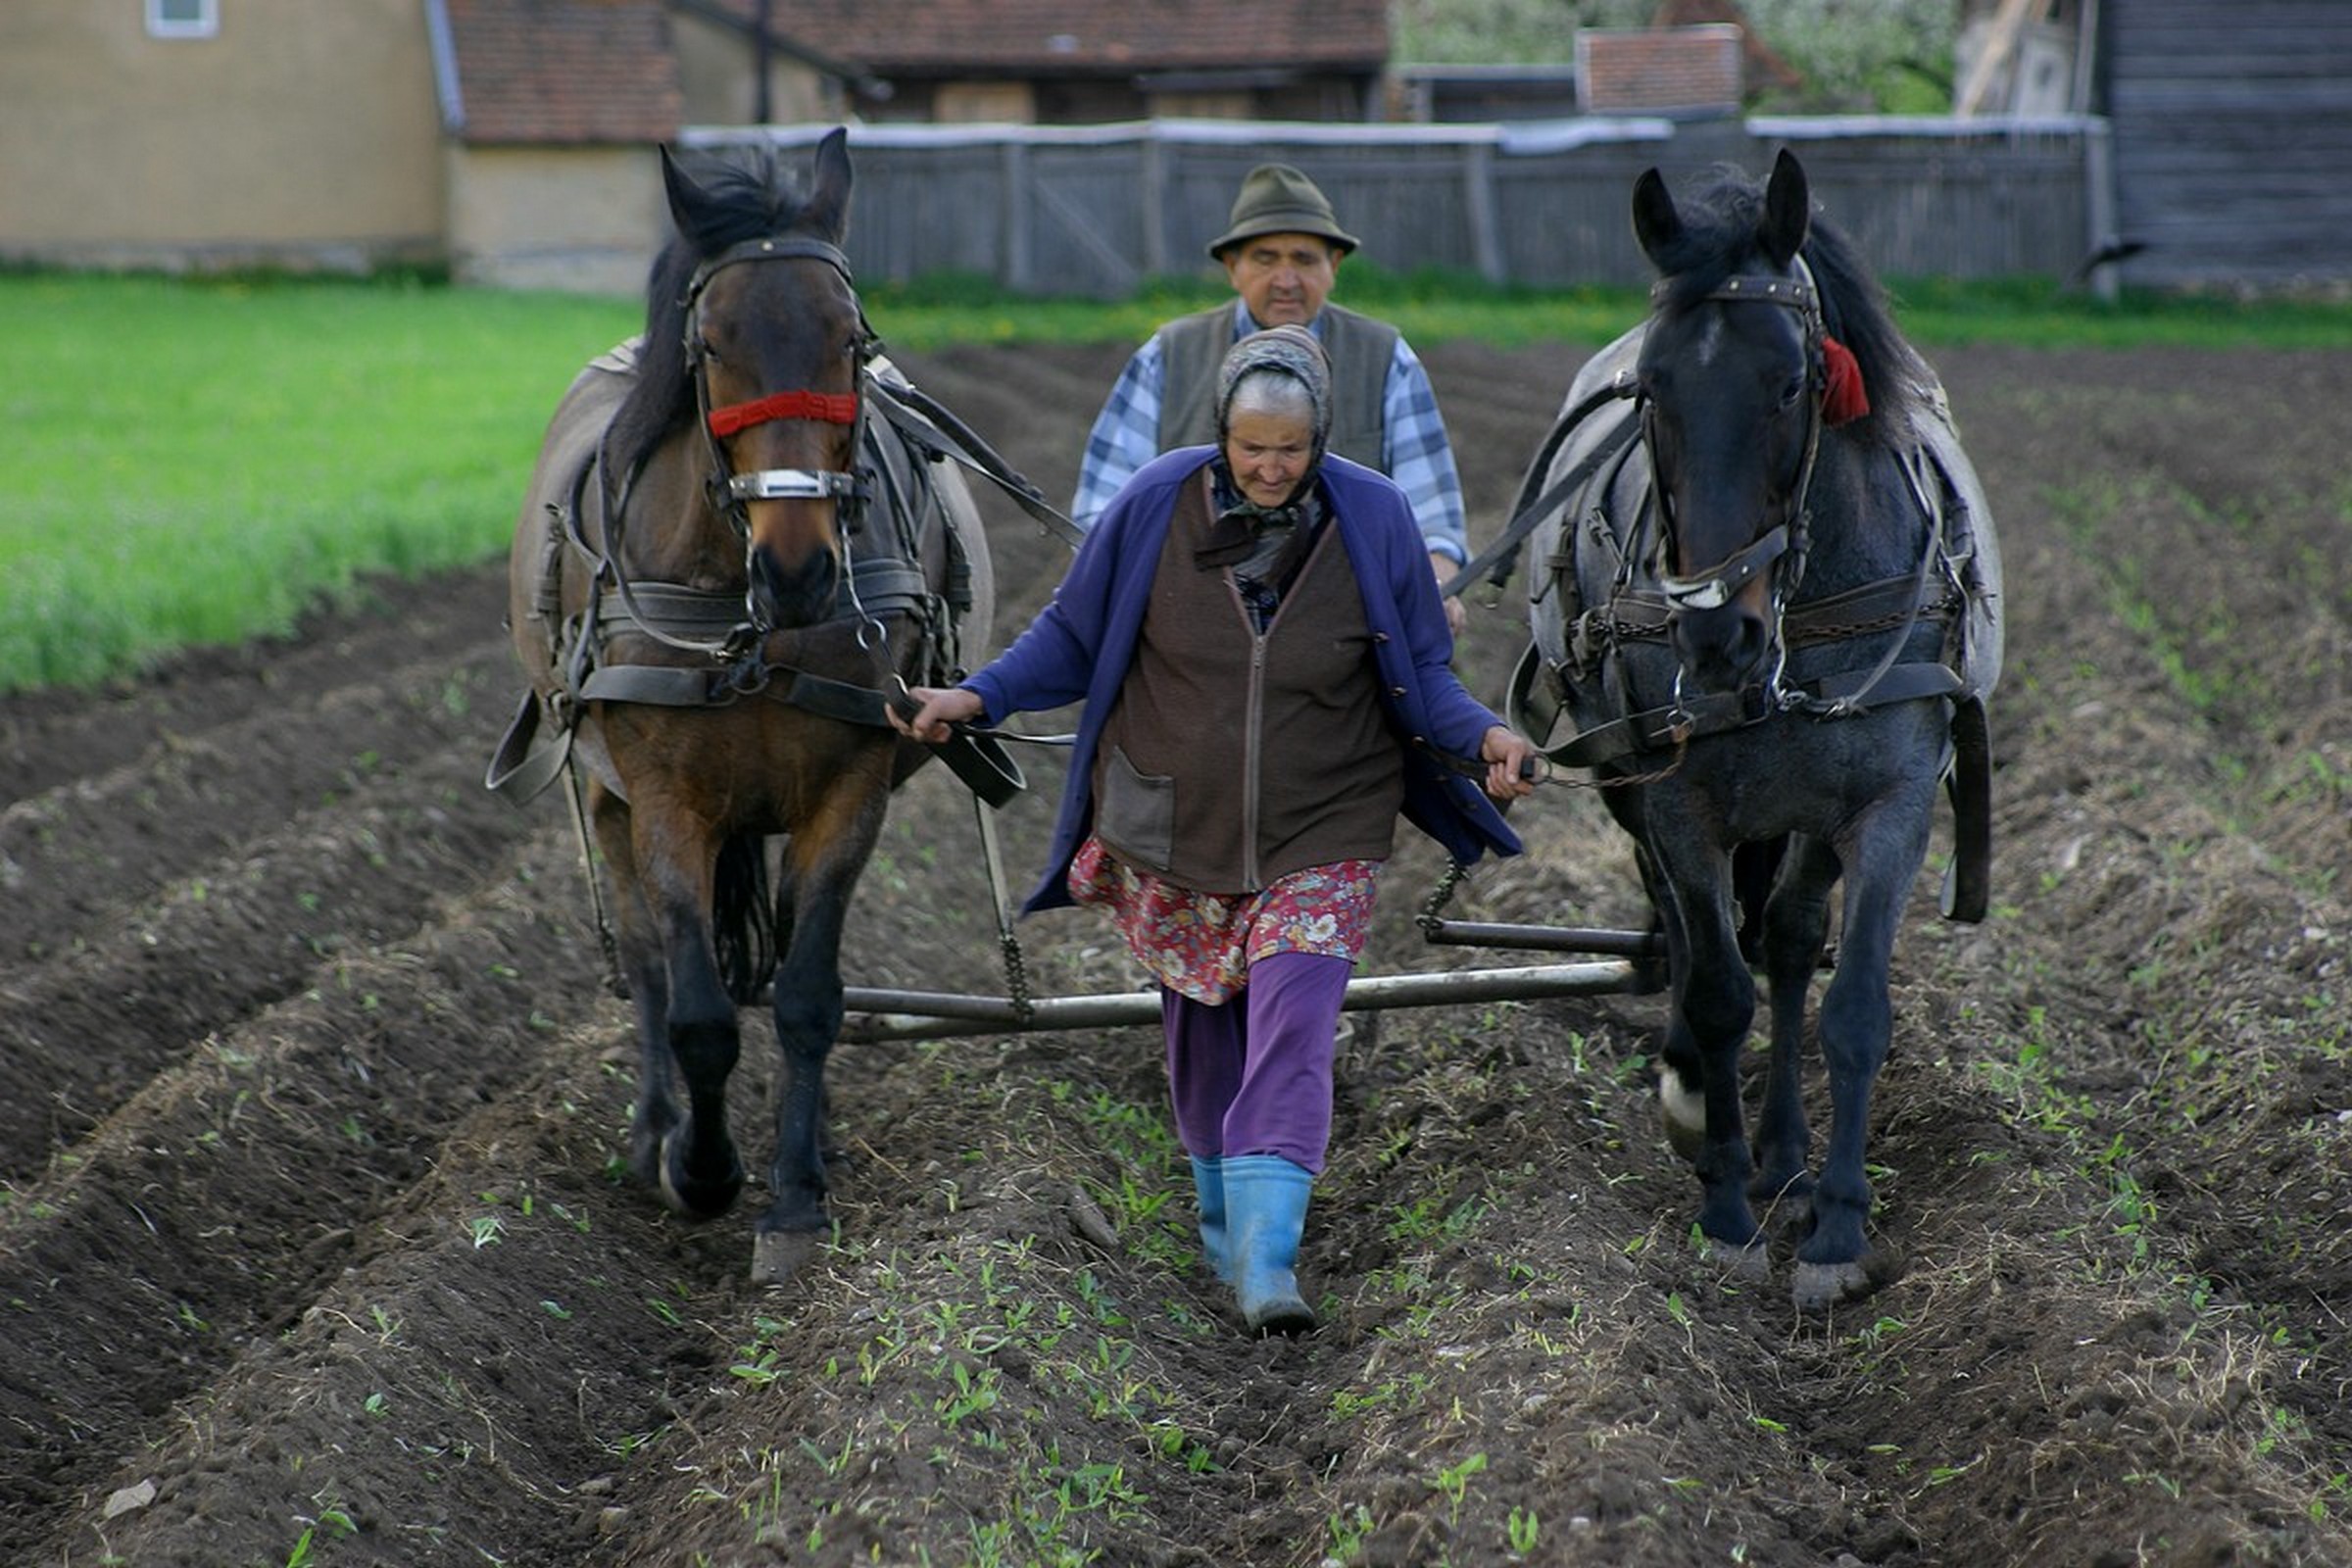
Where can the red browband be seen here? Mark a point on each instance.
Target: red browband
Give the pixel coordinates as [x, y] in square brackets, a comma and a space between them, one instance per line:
[834, 408]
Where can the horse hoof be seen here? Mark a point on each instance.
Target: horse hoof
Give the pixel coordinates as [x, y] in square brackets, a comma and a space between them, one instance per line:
[778, 1255]
[1821, 1285]
[1685, 1114]
[694, 1197]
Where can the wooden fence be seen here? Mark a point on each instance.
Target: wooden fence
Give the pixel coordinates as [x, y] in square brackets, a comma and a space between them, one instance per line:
[1095, 211]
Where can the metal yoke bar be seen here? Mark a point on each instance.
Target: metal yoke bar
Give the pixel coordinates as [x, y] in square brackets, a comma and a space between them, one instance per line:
[932, 1016]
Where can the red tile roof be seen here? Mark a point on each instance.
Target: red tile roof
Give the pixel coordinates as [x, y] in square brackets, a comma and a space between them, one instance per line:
[1661, 69]
[999, 37]
[565, 71]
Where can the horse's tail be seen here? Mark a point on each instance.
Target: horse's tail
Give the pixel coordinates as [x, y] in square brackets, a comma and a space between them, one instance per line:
[740, 917]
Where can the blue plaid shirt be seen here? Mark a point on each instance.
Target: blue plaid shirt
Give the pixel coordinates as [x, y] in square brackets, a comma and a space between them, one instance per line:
[1413, 448]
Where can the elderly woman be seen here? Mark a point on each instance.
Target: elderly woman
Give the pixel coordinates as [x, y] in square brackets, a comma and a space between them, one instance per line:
[1263, 659]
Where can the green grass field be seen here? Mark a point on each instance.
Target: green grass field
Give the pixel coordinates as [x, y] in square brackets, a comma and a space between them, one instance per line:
[200, 461]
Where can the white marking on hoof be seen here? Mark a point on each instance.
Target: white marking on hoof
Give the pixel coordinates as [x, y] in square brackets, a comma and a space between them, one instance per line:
[1685, 1114]
[670, 1191]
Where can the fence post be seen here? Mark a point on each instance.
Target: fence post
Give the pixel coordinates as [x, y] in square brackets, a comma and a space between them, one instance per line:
[1155, 203]
[1013, 171]
[1485, 231]
[2099, 208]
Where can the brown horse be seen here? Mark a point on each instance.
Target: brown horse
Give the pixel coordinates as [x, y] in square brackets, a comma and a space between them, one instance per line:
[726, 565]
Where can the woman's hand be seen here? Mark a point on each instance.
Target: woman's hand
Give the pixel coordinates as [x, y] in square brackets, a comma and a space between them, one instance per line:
[1512, 762]
[937, 708]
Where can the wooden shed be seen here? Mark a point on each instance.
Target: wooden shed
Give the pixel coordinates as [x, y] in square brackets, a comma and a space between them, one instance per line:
[2231, 127]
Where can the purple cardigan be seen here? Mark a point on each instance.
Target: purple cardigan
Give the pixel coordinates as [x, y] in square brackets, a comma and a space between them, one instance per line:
[1080, 645]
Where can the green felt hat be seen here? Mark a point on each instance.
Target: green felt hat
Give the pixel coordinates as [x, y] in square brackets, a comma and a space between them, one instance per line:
[1277, 199]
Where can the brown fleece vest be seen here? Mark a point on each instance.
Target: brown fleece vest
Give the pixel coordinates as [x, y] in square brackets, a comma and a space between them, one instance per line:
[1230, 758]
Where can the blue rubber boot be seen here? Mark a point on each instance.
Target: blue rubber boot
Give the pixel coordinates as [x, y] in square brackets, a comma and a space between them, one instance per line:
[1208, 1180]
[1265, 1207]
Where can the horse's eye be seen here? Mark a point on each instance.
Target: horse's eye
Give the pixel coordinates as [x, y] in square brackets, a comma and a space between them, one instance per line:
[1794, 392]
[704, 349]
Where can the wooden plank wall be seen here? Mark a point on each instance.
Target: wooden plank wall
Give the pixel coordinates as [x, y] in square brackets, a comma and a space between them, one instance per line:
[2232, 140]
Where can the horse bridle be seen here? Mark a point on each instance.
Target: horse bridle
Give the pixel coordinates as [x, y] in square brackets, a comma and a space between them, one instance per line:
[730, 491]
[1782, 546]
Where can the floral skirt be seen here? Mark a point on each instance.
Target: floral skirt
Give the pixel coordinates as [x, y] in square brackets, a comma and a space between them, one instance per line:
[1201, 944]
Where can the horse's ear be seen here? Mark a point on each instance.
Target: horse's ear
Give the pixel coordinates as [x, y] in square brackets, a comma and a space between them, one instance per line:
[685, 196]
[1657, 224]
[1787, 210]
[828, 206]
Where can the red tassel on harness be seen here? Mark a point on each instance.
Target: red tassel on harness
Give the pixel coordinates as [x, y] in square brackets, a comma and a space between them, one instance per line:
[1843, 397]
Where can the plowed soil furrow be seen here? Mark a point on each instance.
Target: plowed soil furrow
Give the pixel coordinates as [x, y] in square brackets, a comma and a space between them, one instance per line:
[210, 1210]
[478, 1438]
[234, 928]
[53, 738]
[201, 793]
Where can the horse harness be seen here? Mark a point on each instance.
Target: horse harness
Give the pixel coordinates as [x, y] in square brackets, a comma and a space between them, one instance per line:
[1644, 598]
[722, 628]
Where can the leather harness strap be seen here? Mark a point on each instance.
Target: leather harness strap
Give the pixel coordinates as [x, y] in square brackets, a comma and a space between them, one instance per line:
[1658, 729]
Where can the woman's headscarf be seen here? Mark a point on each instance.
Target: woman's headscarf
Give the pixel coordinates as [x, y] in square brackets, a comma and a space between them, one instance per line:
[1265, 545]
[1291, 351]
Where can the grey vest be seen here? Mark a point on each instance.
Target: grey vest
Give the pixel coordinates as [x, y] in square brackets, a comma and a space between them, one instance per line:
[1192, 347]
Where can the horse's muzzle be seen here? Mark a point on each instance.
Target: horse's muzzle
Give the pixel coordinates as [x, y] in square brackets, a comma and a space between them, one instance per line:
[785, 596]
[1721, 650]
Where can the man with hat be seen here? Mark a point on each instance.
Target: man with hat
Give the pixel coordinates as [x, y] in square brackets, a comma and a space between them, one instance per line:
[1282, 251]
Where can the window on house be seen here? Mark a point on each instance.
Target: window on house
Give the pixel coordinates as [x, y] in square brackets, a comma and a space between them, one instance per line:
[182, 19]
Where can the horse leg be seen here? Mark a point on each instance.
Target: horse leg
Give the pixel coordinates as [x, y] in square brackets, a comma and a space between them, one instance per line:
[646, 975]
[1714, 1004]
[787, 902]
[1857, 1020]
[1796, 922]
[1754, 866]
[693, 1156]
[822, 863]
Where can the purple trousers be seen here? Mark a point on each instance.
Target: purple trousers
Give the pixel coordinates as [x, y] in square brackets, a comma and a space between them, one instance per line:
[1253, 1075]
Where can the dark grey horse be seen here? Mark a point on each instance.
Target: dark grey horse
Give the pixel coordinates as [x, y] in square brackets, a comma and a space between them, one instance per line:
[1769, 610]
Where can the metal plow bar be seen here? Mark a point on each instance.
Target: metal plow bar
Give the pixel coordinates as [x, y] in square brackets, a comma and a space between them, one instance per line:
[1544, 938]
[884, 1014]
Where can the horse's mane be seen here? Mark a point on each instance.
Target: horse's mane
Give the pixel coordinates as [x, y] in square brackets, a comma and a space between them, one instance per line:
[745, 199]
[1721, 210]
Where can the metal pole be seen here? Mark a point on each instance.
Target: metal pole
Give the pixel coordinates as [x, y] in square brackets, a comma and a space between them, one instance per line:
[931, 1015]
[1544, 938]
